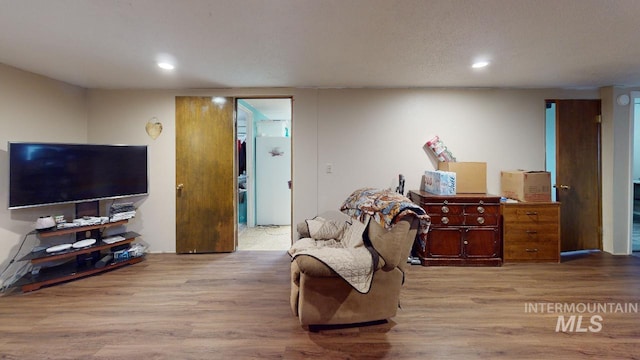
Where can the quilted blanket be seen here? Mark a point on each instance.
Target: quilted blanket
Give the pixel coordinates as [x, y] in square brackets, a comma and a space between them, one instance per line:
[345, 254]
[340, 245]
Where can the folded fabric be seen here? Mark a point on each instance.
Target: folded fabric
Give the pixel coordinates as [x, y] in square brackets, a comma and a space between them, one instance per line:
[384, 206]
[322, 229]
[346, 255]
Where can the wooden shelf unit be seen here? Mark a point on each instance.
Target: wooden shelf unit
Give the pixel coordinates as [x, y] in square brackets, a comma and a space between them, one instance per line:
[81, 262]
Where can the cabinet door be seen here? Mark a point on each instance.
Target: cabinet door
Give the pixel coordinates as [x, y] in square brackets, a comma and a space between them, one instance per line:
[481, 242]
[444, 242]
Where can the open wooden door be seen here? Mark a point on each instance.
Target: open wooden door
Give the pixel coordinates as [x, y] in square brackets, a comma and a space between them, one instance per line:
[578, 179]
[205, 176]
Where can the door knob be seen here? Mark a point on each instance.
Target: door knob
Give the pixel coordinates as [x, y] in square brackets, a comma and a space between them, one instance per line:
[179, 187]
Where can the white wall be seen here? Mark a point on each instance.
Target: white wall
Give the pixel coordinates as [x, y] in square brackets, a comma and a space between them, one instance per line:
[368, 135]
[119, 116]
[33, 108]
[616, 172]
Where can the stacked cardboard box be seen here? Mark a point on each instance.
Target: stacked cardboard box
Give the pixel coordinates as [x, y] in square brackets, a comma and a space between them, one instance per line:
[471, 177]
[530, 186]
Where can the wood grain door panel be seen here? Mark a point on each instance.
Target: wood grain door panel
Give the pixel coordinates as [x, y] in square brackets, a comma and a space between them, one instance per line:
[205, 176]
[578, 173]
[481, 242]
[444, 242]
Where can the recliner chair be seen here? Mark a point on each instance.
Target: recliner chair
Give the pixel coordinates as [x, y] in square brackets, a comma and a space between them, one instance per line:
[320, 297]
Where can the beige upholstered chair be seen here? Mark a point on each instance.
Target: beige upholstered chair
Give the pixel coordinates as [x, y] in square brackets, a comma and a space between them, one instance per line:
[320, 297]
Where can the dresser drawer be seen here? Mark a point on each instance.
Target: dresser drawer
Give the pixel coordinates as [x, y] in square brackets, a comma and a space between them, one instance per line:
[480, 220]
[446, 220]
[482, 209]
[524, 232]
[532, 251]
[530, 214]
[443, 209]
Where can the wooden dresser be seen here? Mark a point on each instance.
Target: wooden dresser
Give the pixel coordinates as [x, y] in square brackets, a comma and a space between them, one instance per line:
[465, 229]
[531, 232]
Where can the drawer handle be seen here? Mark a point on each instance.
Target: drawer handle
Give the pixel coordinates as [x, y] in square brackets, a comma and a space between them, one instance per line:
[532, 213]
[481, 209]
[445, 209]
[480, 220]
[531, 250]
[531, 232]
[466, 242]
[445, 220]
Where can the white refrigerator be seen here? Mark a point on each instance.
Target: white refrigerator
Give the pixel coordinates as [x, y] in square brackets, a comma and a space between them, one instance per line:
[273, 173]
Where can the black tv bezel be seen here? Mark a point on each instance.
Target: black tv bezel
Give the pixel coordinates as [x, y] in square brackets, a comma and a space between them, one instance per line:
[76, 201]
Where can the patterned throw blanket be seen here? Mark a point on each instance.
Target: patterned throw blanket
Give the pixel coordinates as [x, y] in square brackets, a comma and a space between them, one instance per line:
[383, 206]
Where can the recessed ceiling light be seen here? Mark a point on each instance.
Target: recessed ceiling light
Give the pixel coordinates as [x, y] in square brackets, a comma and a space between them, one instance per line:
[218, 100]
[166, 66]
[480, 64]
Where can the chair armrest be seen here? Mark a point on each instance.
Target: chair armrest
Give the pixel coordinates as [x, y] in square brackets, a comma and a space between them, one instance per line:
[311, 266]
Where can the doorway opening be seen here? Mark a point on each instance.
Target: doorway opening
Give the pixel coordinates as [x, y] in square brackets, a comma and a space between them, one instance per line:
[263, 128]
[550, 143]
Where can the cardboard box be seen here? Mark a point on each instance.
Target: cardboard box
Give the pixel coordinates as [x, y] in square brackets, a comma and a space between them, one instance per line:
[471, 177]
[529, 186]
[439, 182]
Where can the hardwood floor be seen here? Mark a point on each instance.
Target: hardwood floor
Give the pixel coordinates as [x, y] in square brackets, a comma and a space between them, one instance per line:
[236, 306]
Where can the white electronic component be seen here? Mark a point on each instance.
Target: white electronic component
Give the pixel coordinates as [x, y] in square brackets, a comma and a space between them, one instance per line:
[83, 243]
[113, 239]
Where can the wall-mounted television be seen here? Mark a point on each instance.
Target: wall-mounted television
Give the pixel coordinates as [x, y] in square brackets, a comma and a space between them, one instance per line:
[49, 173]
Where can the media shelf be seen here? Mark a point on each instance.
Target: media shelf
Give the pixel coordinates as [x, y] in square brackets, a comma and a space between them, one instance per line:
[81, 262]
[77, 229]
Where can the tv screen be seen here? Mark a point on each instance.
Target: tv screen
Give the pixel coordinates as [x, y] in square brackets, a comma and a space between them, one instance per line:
[46, 173]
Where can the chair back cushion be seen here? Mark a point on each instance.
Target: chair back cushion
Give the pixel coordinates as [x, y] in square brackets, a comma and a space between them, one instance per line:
[393, 245]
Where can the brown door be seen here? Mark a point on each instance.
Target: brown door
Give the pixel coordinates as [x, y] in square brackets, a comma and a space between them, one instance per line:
[578, 173]
[205, 176]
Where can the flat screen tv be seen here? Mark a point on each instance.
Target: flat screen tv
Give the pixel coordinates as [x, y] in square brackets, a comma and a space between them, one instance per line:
[48, 173]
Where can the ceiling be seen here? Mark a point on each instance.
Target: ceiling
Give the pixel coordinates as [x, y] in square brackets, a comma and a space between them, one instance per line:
[114, 44]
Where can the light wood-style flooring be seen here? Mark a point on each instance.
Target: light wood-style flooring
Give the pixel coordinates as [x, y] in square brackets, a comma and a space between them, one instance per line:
[273, 237]
[236, 306]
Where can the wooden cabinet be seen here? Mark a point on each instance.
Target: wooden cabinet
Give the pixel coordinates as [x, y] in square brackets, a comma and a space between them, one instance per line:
[531, 232]
[465, 229]
[77, 263]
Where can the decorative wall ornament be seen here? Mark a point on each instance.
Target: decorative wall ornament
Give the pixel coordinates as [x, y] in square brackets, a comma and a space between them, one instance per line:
[276, 152]
[154, 128]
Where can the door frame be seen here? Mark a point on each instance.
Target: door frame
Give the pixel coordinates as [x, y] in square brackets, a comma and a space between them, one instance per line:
[251, 184]
[551, 151]
[251, 203]
[628, 217]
